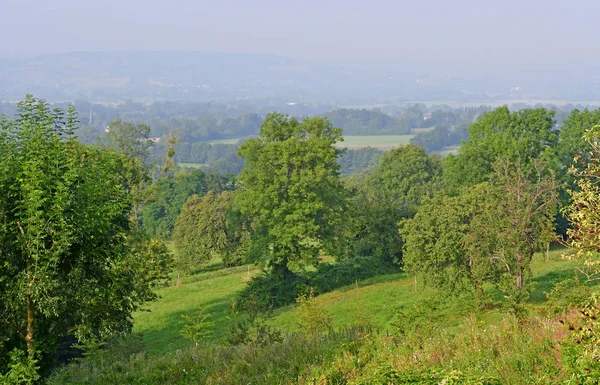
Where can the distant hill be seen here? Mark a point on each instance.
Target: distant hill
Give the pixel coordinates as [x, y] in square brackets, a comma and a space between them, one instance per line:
[203, 76]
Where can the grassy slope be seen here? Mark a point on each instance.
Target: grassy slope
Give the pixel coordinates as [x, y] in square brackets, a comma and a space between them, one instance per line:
[214, 289]
[375, 299]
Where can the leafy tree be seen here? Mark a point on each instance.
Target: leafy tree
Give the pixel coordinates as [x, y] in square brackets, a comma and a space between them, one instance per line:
[406, 175]
[166, 201]
[488, 233]
[370, 230]
[68, 262]
[129, 138]
[519, 220]
[520, 136]
[197, 328]
[392, 192]
[291, 190]
[583, 212]
[438, 243]
[359, 160]
[573, 150]
[205, 229]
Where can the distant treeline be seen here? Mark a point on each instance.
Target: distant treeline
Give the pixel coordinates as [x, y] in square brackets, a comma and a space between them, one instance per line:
[223, 158]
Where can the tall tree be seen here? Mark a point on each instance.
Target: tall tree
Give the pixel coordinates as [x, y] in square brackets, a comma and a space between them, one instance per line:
[583, 212]
[129, 138]
[67, 263]
[205, 229]
[438, 243]
[406, 175]
[488, 233]
[522, 136]
[290, 188]
[519, 220]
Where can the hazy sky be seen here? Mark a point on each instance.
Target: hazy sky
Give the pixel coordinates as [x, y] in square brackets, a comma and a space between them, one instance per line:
[540, 34]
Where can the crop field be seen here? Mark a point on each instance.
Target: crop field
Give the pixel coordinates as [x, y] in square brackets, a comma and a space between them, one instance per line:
[192, 165]
[383, 142]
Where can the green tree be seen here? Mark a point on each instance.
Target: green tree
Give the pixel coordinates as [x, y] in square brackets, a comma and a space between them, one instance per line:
[290, 188]
[439, 243]
[583, 211]
[406, 175]
[67, 262]
[167, 198]
[573, 150]
[522, 136]
[519, 220]
[206, 229]
[129, 138]
[487, 233]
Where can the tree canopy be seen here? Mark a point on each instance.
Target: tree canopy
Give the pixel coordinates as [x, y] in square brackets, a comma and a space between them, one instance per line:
[69, 262]
[520, 136]
[290, 188]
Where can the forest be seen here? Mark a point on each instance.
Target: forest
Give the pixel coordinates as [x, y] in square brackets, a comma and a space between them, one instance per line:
[291, 260]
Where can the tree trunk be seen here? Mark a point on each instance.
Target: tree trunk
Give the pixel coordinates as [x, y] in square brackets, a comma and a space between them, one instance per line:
[30, 328]
[178, 284]
[415, 284]
[547, 251]
[519, 272]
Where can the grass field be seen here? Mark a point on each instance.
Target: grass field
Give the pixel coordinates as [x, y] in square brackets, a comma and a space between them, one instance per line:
[215, 289]
[384, 142]
[448, 150]
[375, 299]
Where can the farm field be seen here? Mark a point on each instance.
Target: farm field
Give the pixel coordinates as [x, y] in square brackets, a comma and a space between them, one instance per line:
[225, 141]
[383, 142]
[192, 165]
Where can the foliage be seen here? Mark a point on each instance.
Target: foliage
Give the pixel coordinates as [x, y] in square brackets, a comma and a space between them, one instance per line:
[205, 230]
[583, 211]
[369, 122]
[22, 369]
[359, 160]
[270, 291]
[405, 176]
[253, 329]
[167, 199]
[291, 190]
[197, 328]
[516, 222]
[440, 137]
[70, 263]
[582, 349]
[522, 136]
[129, 138]
[312, 317]
[488, 233]
[437, 243]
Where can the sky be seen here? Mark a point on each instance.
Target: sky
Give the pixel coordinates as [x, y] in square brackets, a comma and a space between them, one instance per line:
[405, 35]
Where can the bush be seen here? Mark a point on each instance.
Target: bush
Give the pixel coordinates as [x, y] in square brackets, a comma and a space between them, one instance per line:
[270, 291]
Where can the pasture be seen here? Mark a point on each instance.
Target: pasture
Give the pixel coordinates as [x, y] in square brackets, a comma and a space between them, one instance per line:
[376, 299]
[382, 142]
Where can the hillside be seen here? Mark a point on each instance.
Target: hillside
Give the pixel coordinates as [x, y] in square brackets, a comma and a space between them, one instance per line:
[379, 304]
